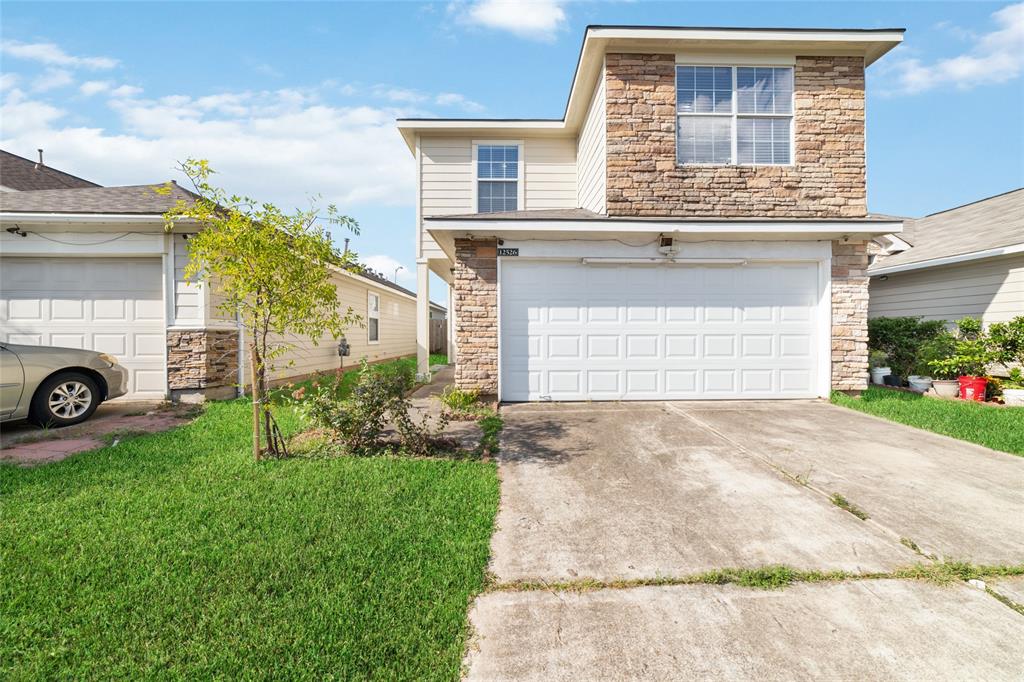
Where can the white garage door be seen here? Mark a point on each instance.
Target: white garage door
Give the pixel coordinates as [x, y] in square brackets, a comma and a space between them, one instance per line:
[111, 305]
[571, 331]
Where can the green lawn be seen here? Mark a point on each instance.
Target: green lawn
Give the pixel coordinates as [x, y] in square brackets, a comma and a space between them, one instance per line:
[175, 555]
[999, 428]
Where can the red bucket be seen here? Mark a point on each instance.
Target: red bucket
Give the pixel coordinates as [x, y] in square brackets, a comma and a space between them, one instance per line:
[973, 388]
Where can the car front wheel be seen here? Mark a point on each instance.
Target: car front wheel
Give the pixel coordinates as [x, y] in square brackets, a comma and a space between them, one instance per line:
[65, 399]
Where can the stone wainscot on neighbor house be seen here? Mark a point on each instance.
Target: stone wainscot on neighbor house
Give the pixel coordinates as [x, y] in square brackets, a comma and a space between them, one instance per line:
[695, 226]
[85, 266]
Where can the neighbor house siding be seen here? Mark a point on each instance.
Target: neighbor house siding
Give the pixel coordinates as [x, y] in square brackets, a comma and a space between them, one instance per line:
[397, 333]
[592, 154]
[991, 289]
[447, 177]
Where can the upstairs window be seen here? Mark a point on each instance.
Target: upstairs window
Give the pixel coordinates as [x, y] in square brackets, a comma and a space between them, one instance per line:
[734, 115]
[498, 168]
[373, 318]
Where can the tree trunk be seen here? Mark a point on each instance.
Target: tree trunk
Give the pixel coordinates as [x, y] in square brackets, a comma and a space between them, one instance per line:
[257, 398]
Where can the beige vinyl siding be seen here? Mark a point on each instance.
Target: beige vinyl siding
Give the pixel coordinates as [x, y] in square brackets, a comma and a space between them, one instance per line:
[592, 153]
[447, 177]
[992, 289]
[397, 333]
[188, 295]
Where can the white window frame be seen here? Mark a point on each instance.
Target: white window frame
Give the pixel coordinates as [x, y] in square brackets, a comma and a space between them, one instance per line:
[735, 114]
[372, 314]
[520, 175]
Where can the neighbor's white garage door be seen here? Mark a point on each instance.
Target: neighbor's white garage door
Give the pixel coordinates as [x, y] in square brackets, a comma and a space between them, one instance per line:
[112, 305]
[571, 331]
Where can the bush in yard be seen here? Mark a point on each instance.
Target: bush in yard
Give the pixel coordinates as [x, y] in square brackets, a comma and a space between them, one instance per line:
[1007, 340]
[901, 338]
[378, 398]
[458, 400]
[971, 352]
[932, 352]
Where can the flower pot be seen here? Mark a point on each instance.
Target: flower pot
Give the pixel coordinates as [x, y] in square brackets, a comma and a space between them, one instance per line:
[973, 388]
[919, 383]
[1013, 396]
[892, 380]
[946, 388]
[878, 375]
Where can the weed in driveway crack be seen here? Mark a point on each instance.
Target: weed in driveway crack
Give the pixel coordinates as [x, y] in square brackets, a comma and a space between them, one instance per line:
[843, 503]
[771, 577]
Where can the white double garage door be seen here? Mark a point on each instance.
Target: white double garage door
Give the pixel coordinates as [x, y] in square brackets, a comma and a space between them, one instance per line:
[574, 331]
[111, 305]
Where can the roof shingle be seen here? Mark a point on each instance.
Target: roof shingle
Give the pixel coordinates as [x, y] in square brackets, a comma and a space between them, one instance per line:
[21, 174]
[131, 199]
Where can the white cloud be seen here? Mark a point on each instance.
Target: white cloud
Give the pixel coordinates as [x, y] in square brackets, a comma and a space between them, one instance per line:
[52, 79]
[394, 94]
[454, 99]
[126, 91]
[280, 145]
[53, 55]
[996, 57]
[90, 88]
[8, 80]
[385, 265]
[531, 19]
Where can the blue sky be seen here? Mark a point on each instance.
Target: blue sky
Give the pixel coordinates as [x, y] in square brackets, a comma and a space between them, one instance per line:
[289, 100]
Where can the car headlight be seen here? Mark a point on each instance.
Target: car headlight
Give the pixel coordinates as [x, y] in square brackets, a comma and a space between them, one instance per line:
[109, 359]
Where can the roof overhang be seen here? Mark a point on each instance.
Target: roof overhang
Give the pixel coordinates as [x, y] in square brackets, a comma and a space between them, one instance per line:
[446, 231]
[947, 260]
[870, 44]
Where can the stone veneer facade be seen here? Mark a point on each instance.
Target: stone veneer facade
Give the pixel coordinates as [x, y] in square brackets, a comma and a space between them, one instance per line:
[849, 316]
[475, 288]
[826, 180]
[202, 362]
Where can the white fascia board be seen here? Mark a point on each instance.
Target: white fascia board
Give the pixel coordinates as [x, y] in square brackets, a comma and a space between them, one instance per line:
[65, 218]
[949, 260]
[744, 35]
[511, 227]
[523, 128]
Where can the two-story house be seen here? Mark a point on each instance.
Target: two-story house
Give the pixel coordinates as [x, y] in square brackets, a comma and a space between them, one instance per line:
[693, 227]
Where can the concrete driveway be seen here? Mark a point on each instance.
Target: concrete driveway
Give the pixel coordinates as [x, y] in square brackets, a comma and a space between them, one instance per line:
[641, 491]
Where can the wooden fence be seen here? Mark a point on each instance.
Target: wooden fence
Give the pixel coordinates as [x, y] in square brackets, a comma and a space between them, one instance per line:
[439, 336]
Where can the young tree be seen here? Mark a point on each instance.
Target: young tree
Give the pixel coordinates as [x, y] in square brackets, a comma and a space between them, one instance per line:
[273, 271]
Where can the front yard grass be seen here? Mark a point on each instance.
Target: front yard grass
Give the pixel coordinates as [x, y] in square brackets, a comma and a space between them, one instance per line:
[998, 428]
[175, 555]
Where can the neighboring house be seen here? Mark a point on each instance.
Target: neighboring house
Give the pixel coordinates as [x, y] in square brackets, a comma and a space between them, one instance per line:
[965, 261]
[694, 226]
[438, 311]
[93, 268]
[18, 174]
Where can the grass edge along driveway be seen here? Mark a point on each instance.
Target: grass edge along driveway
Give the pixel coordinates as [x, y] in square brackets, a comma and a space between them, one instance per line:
[998, 428]
[175, 555]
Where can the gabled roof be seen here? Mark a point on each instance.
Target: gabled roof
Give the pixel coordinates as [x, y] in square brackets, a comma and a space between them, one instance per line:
[981, 226]
[17, 172]
[127, 200]
[870, 44]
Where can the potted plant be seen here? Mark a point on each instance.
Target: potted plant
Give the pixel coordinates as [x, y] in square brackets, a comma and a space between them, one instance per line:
[901, 339]
[879, 370]
[971, 355]
[1013, 388]
[931, 359]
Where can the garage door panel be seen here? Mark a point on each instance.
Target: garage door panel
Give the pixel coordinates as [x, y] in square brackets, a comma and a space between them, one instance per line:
[659, 332]
[111, 305]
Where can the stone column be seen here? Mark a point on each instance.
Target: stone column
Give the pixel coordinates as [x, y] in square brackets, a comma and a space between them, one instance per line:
[475, 286]
[849, 316]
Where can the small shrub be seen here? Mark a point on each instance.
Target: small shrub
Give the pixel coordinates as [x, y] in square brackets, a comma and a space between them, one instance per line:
[458, 400]
[1007, 339]
[933, 351]
[877, 358]
[971, 354]
[900, 339]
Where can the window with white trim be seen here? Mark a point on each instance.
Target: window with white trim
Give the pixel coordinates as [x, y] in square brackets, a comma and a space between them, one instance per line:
[497, 177]
[734, 115]
[373, 318]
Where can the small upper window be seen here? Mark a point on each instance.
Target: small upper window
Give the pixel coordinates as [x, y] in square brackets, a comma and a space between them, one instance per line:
[497, 177]
[373, 318]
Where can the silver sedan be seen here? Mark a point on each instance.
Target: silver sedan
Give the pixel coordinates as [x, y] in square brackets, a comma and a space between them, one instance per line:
[56, 386]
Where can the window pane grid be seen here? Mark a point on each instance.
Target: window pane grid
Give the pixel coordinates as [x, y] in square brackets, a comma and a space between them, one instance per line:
[721, 106]
[497, 172]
